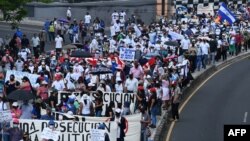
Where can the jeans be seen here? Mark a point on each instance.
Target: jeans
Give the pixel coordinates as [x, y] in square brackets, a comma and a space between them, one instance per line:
[4, 135]
[144, 135]
[153, 115]
[98, 113]
[204, 60]
[198, 62]
[212, 57]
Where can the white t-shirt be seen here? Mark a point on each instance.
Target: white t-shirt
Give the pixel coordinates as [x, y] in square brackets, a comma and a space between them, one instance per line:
[68, 13]
[87, 19]
[122, 16]
[19, 65]
[78, 70]
[185, 43]
[40, 68]
[115, 16]
[86, 107]
[58, 85]
[204, 48]
[59, 41]
[35, 41]
[118, 88]
[23, 54]
[131, 85]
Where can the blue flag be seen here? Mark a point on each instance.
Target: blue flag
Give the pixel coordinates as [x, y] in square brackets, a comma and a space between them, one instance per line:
[226, 14]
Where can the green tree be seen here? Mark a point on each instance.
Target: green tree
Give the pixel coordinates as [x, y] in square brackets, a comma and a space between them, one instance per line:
[14, 11]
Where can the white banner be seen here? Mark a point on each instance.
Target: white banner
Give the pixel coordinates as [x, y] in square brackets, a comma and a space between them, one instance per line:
[68, 130]
[5, 116]
[19, 75]
[205, 9]
[97, 135]
[107, 97]
[127, 54]
[48, 133]
[133, 131]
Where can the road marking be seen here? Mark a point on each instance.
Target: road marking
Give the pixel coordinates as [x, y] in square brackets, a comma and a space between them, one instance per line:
[193, 93]
[245, 117]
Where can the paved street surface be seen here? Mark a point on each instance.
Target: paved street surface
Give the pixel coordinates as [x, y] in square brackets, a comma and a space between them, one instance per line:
[224, 99]
[29, 30]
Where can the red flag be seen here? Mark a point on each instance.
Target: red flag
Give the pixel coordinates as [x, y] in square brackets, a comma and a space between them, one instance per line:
[150, 62]
[119, 62]
[91, 61]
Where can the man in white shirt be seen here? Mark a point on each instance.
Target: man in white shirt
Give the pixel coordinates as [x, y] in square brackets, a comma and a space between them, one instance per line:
[122, 18]
[35, 42]
[131, 84]
[185, 44]
[78, 70]
[24, 53]
[93, 45]
[68, 14]
[87, 19]
[43, 67]
[58, 84]
[115, 16]
[58, 43]
[19, 64]
[205, 49]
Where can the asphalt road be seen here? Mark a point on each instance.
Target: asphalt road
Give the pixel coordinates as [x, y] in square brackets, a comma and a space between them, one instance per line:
[224, 99]
[29, 30]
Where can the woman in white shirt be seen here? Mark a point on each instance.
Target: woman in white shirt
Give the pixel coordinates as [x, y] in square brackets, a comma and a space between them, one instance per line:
[119, 86]
[86, 106]
[71, 78]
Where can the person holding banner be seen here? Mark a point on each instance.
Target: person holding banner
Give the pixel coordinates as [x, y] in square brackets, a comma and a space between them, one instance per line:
[16, 134]
[48, 115]
[106, 136]
[121, 124]
[47, 134]
[86, 106]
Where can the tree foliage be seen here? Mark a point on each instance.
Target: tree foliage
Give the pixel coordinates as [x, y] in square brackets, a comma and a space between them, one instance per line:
[14, 11]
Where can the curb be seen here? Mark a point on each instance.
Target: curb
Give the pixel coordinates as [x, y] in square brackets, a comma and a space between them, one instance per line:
[26, 23]
[164, 123]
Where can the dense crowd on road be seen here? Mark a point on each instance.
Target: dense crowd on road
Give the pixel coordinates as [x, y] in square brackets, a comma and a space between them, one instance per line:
[167, 52]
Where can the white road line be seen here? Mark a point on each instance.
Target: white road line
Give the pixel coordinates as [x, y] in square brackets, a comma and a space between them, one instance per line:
[245, 117]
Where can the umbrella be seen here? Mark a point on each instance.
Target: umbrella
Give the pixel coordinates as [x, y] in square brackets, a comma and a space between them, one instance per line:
[69, 46]
[81, 54]
[171, 43]
[78, 45]
[204, 38]
[152, 54]
[101, 70]
[21, 95]
[63, 20]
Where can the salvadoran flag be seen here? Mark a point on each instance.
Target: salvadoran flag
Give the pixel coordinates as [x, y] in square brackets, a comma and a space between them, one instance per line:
[226, 14]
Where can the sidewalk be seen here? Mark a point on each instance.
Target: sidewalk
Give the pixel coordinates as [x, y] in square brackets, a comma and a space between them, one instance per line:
[162, 120]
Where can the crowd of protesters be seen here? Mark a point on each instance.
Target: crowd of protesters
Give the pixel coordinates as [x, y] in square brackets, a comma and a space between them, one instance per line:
[157, 76]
